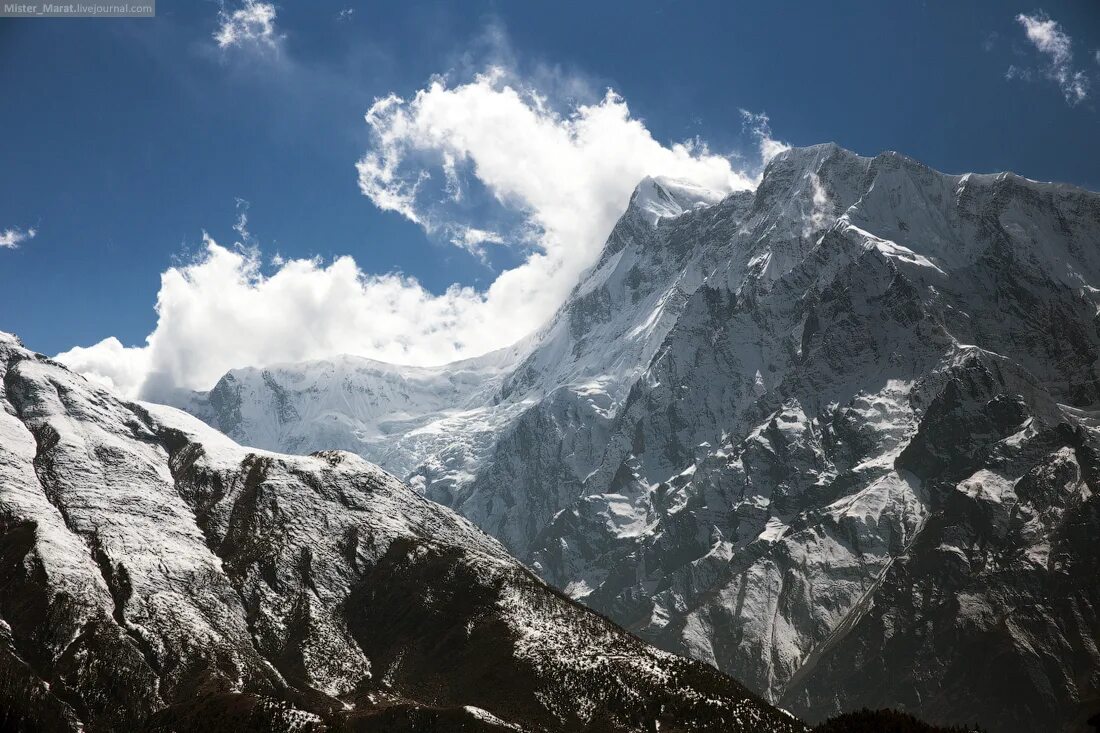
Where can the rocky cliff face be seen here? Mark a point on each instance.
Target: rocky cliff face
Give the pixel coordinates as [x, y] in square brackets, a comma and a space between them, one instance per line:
[835, 437]
[817, 419]
[155, 575]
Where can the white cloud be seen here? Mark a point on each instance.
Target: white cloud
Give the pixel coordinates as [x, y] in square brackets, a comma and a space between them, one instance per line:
[14, 236]
[1048, 37]
[1053, 42]
[220, 311]
[345, 14]
[562, 179]
[252, 24]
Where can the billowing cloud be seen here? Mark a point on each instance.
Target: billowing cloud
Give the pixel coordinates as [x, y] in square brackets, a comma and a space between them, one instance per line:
[12, 237]
[562, 177]
[569, 173]
[111, 364]
[220, 311]
[1055, 44]
[252, 24]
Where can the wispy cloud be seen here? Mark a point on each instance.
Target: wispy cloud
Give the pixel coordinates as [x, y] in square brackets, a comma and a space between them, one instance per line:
[473, 239]
[345, 14]
[12, 237]
[759, 126]
[249, 25]
[1055, 44]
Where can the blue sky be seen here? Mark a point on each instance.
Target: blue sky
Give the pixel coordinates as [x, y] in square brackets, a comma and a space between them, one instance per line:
[122, 142]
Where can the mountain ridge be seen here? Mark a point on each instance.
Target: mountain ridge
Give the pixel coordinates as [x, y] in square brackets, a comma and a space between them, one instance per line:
[157, 576]
[714, 440]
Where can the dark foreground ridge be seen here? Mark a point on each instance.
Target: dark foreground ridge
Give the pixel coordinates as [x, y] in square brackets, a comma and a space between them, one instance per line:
[156, 576]
[883, 721]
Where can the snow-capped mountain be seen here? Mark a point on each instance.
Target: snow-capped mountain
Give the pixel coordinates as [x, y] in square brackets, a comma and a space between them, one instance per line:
[837, 436]
[155, 575]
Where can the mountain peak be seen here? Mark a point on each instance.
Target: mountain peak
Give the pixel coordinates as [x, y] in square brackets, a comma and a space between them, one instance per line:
[809, 159]
[663, 197]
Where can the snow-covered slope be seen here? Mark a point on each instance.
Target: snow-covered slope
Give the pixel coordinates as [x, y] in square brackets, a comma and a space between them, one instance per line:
[730, 438]
[154, 573]
[389, 414]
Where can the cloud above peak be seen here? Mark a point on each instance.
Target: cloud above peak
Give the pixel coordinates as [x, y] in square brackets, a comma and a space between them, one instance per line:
[567, 173]
[490, 162]
[1055, 44]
